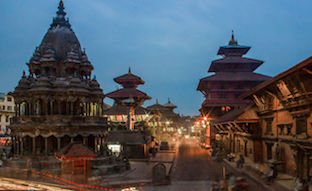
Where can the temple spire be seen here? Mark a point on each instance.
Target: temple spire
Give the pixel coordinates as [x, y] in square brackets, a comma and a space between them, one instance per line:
[60, 16]
[61, 8]
[157, 101]
[233, 42]
[129, 72]
[169, 100]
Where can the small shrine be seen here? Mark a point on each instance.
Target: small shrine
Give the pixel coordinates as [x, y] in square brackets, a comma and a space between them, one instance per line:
[76, 161]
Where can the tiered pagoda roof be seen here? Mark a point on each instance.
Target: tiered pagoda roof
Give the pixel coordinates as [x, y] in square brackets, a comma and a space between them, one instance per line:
[166, 110]
[234, 75]
[118, 109]
[129, 82]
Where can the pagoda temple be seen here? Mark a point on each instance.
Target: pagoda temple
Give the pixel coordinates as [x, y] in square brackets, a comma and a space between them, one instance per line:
[128, 99]
[233, 76]
[164, 120]
[58, 102]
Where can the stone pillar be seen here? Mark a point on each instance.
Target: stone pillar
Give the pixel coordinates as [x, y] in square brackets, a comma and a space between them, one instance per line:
[97, 110]
[68, 108]
[71, 108]
[51, 107]
[89, 110]
[26, 108]
[45, 107]
[85, 140]
[95, 144]
[45, 146]
[16, 109]
[21, 144]
[34, 145]
[17, 145]
[58, 143]
[59, 107]
[72, 139]
[19, 109]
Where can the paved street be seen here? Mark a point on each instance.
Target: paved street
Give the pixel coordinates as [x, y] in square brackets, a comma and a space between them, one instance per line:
[194, 164]
[195, 170]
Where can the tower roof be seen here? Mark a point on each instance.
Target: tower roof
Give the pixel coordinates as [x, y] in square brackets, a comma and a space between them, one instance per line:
[129, 80]
[233, 48]
[169, 104]
[60, 37]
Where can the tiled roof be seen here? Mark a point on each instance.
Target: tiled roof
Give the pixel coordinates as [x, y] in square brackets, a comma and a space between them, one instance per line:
[224, 102]
[234, 63]
[156, 106]
[128, 93]
[236, 76]
[75, 151]
[118, 109]
[129, 78]
[291, 71]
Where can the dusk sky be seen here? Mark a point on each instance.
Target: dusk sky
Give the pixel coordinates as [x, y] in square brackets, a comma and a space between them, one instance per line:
[168, 43]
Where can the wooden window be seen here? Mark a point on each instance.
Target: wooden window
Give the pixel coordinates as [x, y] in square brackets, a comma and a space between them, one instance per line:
[289, 127]
[268, 125]
[269, 151]
[301, 125]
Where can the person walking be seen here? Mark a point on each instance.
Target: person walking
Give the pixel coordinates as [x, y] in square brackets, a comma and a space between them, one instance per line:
[240, 162]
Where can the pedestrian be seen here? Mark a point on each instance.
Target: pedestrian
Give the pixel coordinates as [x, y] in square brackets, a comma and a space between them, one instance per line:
[240, 162]
[232, 183]
[299, 186]
[270, 175]
[29, 167]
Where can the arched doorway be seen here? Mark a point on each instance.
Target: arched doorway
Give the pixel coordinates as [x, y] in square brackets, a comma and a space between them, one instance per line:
[52, 145]
[91, 143]
[40, 147]
[65, 141]
[78, 139]
[27, 145]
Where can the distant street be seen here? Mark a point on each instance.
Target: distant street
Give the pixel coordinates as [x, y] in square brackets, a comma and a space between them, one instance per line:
[194, 164]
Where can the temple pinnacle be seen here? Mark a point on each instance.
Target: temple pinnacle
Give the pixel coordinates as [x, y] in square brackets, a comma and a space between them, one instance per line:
[129, 72]
[61, 8]
[232, 42]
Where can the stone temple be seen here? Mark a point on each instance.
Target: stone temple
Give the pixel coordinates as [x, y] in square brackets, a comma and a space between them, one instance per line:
[58, 102]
